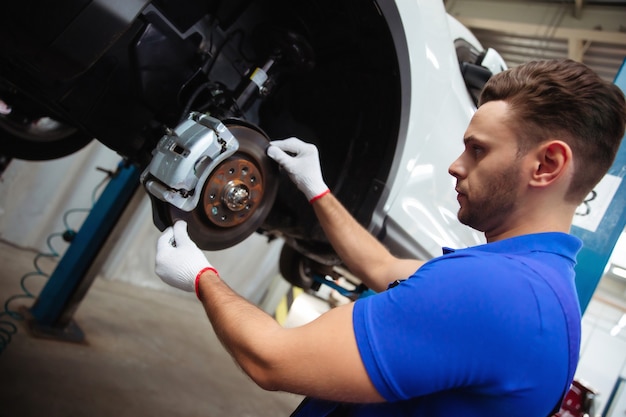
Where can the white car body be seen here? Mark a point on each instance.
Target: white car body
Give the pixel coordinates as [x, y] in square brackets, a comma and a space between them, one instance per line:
[419, 211]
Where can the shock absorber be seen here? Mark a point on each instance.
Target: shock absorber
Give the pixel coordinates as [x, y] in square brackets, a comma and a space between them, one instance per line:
[258, 82]
[290, 51]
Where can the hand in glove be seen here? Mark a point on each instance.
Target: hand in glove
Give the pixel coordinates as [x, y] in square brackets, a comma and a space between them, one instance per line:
[303, 166]
[179, 262]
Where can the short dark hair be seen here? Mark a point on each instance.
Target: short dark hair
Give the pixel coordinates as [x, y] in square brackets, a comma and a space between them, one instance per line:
[564, 99]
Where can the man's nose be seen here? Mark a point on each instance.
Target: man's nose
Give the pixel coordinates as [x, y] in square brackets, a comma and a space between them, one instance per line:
[456, 168]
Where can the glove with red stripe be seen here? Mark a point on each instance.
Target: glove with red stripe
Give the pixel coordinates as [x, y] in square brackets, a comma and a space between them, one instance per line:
[179, 262]
[302, 163]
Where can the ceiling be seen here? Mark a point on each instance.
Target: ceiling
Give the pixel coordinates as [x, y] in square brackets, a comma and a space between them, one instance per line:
[590, 31]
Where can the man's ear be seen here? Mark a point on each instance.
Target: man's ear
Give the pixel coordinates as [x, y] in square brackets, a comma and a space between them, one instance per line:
[551, 163]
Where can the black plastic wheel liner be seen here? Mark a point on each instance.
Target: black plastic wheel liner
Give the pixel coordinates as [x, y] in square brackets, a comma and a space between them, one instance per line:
[348, 105]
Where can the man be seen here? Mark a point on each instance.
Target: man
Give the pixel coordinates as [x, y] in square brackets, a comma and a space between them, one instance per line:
[492, 330]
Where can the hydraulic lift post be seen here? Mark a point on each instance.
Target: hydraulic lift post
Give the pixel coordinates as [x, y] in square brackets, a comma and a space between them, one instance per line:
[51, 314]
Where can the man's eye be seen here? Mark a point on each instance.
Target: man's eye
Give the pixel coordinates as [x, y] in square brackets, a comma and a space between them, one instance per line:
[477, 150]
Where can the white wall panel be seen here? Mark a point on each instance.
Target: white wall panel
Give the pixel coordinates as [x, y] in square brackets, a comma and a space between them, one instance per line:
[35, 195]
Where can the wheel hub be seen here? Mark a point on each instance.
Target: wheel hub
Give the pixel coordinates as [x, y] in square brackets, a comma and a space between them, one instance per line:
[237, 197]
[234, 191]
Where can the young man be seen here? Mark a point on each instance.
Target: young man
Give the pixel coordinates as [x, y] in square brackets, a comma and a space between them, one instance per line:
[491, 330]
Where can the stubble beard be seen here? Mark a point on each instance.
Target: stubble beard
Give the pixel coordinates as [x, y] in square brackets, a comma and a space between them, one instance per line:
[496, 200]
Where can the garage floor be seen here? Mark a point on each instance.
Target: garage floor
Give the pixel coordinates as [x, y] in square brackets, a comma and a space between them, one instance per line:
[147, 353]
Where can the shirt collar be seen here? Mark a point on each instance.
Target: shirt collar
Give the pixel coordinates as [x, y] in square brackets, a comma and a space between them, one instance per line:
[553, 242]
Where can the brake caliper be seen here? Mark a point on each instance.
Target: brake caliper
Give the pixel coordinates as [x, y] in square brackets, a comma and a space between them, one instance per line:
[185, 157]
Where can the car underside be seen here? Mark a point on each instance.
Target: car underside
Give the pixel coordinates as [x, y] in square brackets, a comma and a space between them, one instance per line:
[162, 81]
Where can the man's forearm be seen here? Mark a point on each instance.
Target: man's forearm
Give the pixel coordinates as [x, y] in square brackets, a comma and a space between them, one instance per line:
[365, 256]
[241, 326]
[297, 360]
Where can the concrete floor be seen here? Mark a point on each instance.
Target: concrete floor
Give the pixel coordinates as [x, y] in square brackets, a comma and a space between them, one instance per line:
[147, 353]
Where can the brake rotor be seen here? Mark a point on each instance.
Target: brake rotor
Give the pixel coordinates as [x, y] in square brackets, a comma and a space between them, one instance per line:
[233, 192]
[236, 197]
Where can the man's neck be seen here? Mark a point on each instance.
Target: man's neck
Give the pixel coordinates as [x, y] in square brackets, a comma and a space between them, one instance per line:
[557, 220]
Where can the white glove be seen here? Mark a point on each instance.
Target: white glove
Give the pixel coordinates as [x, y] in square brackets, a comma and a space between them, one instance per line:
[303, 167]
[179, 262]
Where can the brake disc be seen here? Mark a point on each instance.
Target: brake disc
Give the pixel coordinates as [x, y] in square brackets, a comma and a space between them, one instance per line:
[236, 197]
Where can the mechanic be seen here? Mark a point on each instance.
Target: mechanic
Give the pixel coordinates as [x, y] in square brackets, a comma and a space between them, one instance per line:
[491, 330]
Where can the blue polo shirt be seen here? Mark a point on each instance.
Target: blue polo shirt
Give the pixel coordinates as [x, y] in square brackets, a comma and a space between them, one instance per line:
[492, 330]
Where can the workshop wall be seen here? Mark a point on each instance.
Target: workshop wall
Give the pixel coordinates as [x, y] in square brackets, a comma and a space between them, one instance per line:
[603, 353]
[34, 196]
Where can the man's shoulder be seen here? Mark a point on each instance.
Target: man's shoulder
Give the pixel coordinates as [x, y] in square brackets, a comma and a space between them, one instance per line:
[549, 243]
[524, 259]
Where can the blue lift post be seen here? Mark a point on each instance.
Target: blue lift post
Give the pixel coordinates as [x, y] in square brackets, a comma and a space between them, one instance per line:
[601, 221]
[51, 314]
